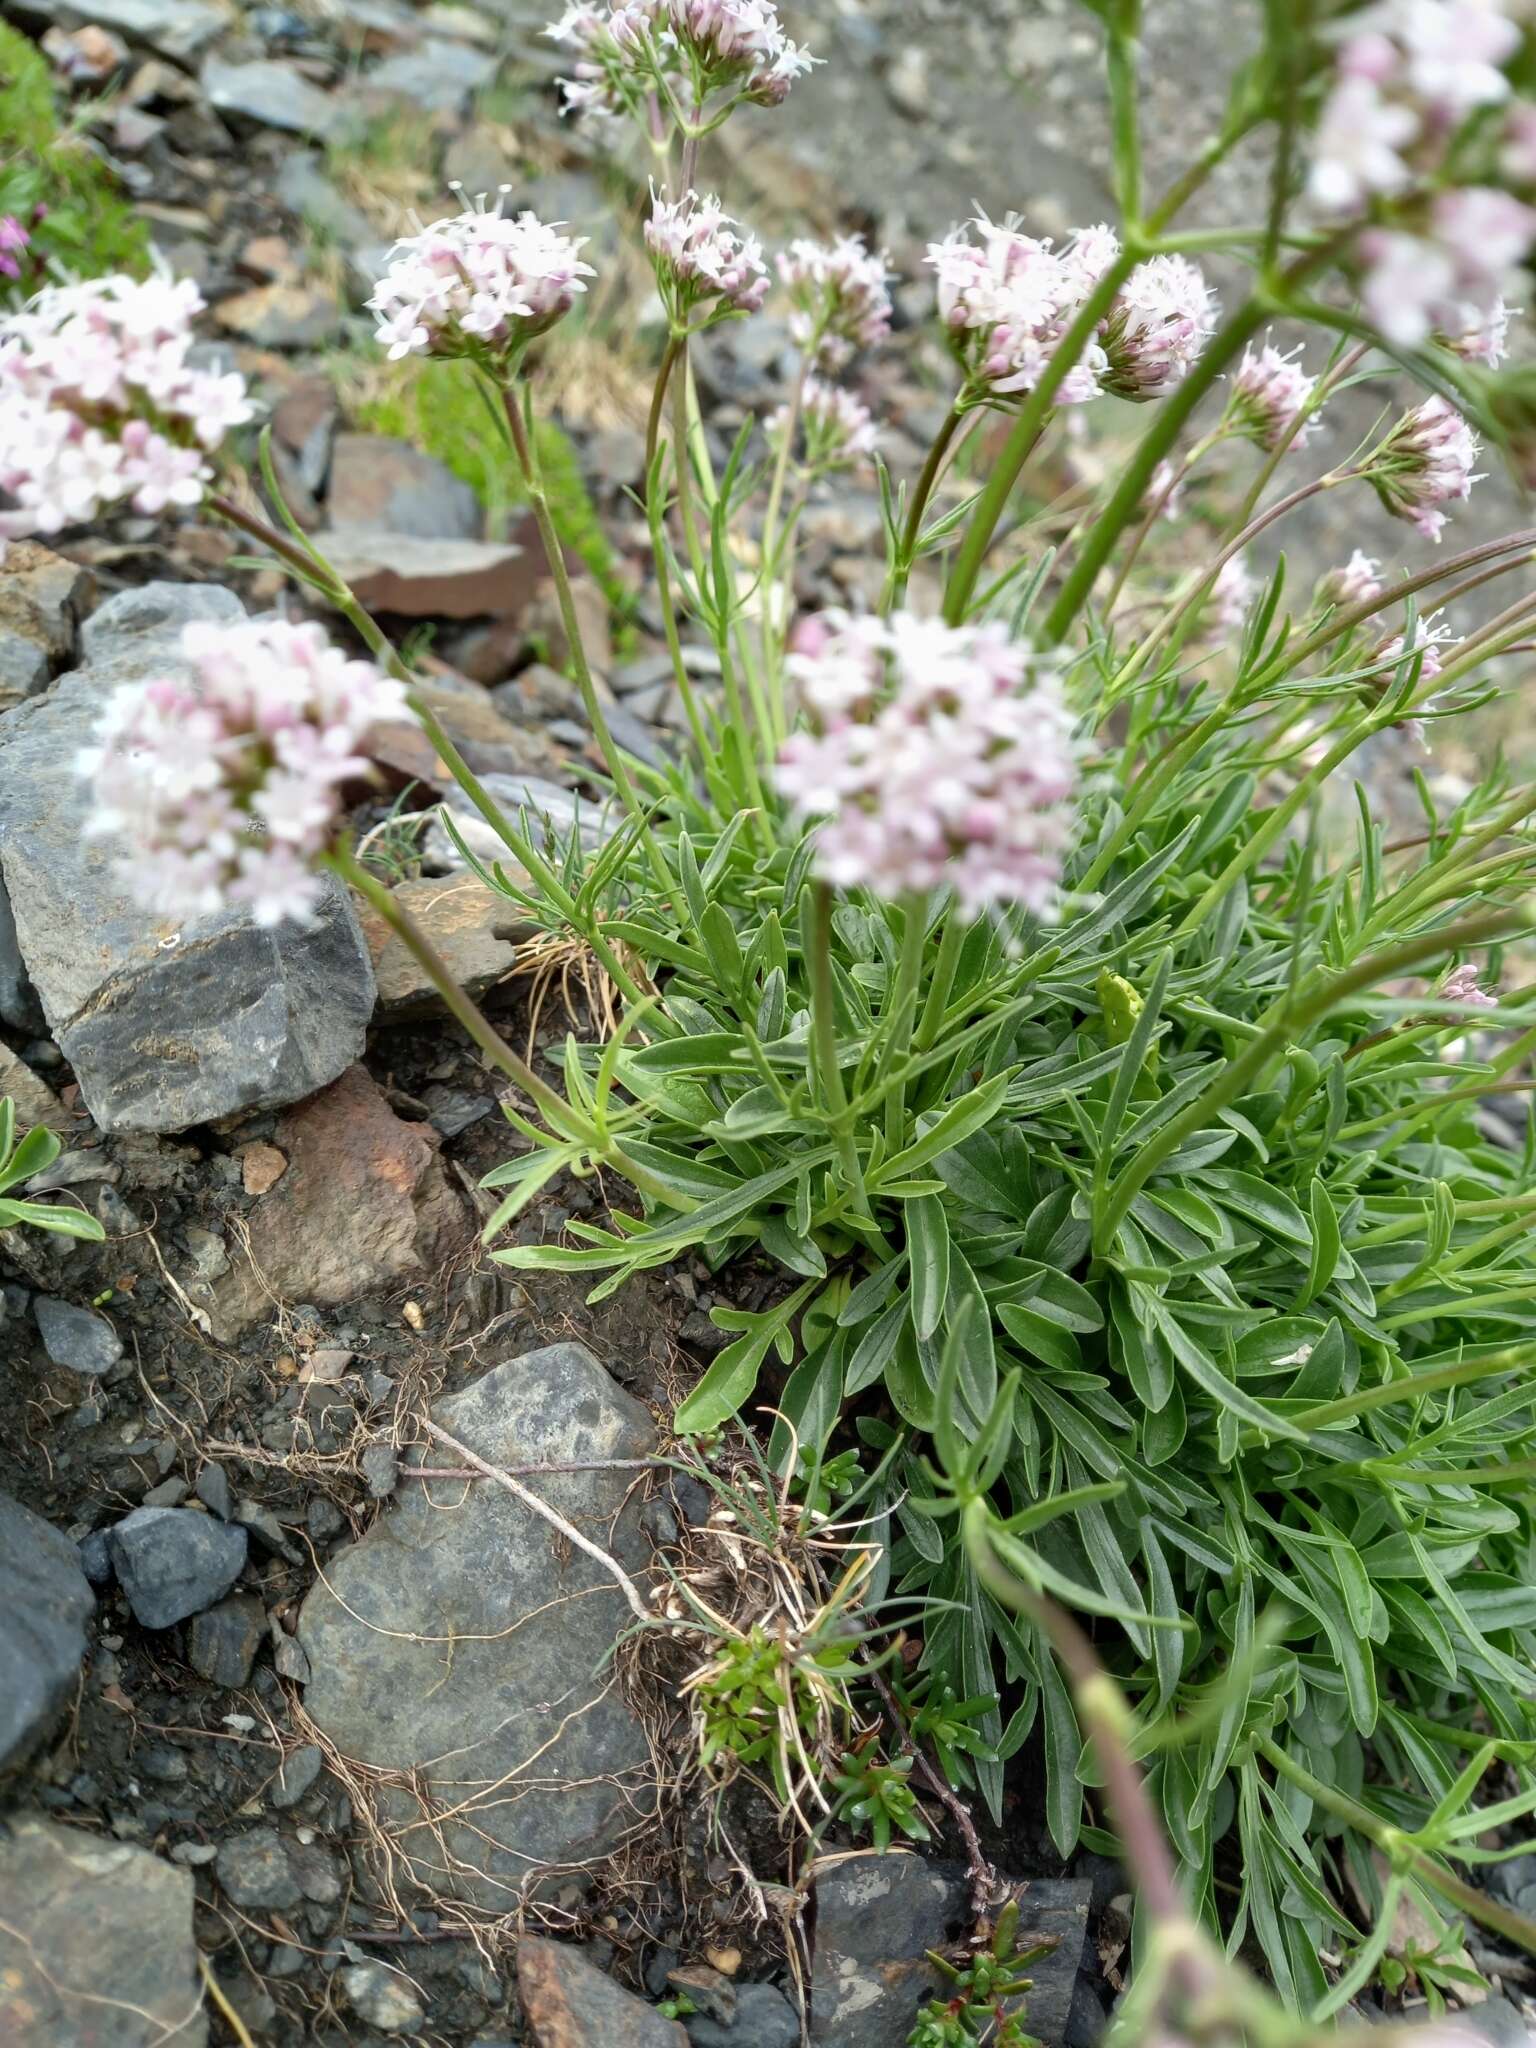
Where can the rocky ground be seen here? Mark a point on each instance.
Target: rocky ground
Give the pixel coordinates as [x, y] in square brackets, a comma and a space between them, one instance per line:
[300, 1742]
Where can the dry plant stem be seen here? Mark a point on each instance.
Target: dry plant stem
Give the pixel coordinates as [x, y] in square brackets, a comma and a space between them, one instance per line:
[556, 1520]
[983, 1876]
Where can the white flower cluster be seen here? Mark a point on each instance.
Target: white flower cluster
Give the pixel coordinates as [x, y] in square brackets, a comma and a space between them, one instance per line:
[939, 757]
[840, 291]
[707, 46]
[479, 283]
[1423, 463]
[837, 428]
[225, 784]
[101, 406]
[1270, 394]
[1409, 75]
[702, 261]
[1008, 300]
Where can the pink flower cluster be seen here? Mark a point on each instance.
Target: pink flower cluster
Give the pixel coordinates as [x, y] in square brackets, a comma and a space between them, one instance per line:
[101, 406]
[701, 259]
[1461, 986]
[939, 757]
[1008, 301]
[1429, 639]
[1423, 463]
[841, 298]
[481, 283]
[837, 427]
[1409, 75]
[13, 240]
[1270, 394]
[1231, 595]
[734, 46]
[1356, 582]
[224, 783]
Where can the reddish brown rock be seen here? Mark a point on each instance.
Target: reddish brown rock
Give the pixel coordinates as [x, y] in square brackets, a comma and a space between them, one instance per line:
[364, 1206]
[386, 485]
[261, 1168]
[282, 315]
[569, 2003]
[490, 743]
[418, 579]
[43, 598]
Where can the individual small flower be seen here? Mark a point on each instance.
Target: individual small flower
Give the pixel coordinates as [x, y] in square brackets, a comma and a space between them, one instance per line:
[1355, 583]
[223, 780]
[1232, 593]
[837, 428]
[938, 758]
[702, 261]
[841, 298]
[1423, 463]
[1429, 637]
[13, 240]
[100, 404]
[1156, 328]
[1461, 986]
[480, 284]
[1270, 395]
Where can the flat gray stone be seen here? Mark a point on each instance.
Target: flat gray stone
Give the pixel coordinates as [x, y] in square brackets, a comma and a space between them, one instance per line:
[553, 813]
[223, 1640]
[876, 1916]
[166, 1024]
[464, 1639]
[75, 1337]
[440, 77]
[271, 94]
[176, 28]
[96, 1946]
[45, 1603]
[172, 1562]
[306, 191]
[379, 482]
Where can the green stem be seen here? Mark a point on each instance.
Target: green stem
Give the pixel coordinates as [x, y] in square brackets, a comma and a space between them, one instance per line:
[1025, 432]
[824, 1033]
[1402, 1850]
[932, 470]
[659, 398]
[937, 1002]
[556, 1112]
[1164, 431]
[909, 968]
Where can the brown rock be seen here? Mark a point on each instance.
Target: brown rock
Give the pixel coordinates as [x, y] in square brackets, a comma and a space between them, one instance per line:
[365, 1205]
[85, 56]
[43, 598]
[282, 315]
[476, 930]
[418, 579]
[270, 258]
[490, 743]
[545, 623]
[569, 2003]
[35, 1101]
[261, 1168]
[384, 484]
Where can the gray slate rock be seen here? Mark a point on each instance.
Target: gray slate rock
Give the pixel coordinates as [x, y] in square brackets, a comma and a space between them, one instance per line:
[379, 482]
[877, 1915]
[45, 1603]
[553, 812]
[176, 28]
[296, 1775]
[764, 2018]
[76, 1337]
[96, 1946]
[166, 1024]
[254, 1869]
[382, 1997]
[440, 77]
[464, 1639]
[271, 94]
[172, 1562]
[222, 1641]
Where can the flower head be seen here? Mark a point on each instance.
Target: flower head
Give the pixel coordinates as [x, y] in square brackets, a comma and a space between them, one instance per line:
[840, 296]
[739, 45]
[223, 779]
[837, 427]
[1231, 594]
[1358, 147]
[701, 260]
[1156, 327]
[479, 283]
[1427, 639]
[1354, 584]
[1423, 463]
[1478, 336]
[101, 406]
[1270, 394]
[727, 46]
[1461, 986]
[1008, 298]
[13, 239]
[939, 757]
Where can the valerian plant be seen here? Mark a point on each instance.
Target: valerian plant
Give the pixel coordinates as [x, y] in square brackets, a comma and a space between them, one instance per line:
[1116, 1120]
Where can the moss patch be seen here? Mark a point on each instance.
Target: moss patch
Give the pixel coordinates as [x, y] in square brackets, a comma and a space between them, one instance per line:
[87, 227]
